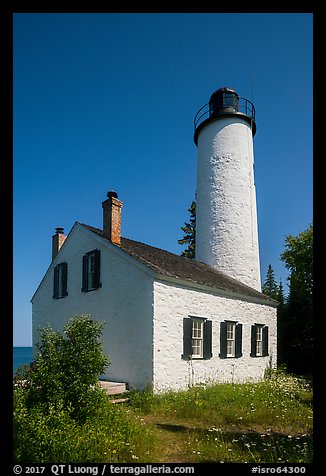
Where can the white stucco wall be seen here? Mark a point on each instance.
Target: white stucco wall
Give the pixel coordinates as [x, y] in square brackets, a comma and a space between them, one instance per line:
[172, 303]
[226, 212]
[124, 302]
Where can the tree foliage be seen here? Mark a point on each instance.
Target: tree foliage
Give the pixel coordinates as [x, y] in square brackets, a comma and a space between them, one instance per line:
[296, 319]
[189, 234]
[270, 287]
[67, 368]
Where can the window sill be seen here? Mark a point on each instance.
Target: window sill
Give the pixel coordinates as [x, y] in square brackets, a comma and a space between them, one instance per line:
[90, 290]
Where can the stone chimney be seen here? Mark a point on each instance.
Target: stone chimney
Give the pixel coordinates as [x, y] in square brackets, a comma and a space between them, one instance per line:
[57, 241]
[112, 218]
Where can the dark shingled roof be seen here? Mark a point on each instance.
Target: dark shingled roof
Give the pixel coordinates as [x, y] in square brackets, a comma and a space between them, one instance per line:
[169, 264]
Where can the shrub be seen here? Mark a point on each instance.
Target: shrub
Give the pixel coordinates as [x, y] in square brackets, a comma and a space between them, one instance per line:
[49, 434]
[67, 368]
[57, 399]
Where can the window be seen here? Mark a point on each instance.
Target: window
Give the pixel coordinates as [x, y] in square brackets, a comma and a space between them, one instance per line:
[60, 281]
[230, 339]
[197, 338]
[259, 340]
[230, 100]
[91, 271]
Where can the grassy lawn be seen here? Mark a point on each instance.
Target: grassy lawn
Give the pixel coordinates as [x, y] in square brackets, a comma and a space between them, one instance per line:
[266, 422]
[263, 422]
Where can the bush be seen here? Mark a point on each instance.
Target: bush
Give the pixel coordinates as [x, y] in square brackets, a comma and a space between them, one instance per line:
[57, 399]
[67, 368]
[49, 434]
[61, 414]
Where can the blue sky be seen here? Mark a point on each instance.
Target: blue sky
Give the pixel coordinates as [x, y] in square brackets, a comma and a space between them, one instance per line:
[106, 101]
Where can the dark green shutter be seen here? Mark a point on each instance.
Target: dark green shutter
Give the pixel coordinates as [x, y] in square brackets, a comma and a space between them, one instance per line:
[64, 279]
[55, 282]
[207, 350]
[223, 348]
[187, 331]
[84, 276]
[238, 340]
[265, 341]
[253, 341]
[97, 268]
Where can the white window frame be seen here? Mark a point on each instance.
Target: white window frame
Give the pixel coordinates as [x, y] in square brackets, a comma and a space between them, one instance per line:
[60, 281]
[90, 271]
[197, 338]
[259, 341]
[230, 339]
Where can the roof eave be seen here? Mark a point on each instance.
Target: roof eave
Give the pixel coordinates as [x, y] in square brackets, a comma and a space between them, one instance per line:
[216, 290]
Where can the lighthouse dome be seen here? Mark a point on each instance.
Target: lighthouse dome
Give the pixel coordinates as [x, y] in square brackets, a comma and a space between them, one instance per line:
[223, 100]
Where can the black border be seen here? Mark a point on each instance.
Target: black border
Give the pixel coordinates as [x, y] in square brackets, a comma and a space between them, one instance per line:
[8, 9]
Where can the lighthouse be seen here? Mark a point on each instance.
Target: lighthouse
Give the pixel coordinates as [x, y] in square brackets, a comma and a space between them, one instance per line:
[226, 210]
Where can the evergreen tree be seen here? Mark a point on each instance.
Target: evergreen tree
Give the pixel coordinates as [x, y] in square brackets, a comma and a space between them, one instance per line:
[280, 295]
[190, 234]
[295, 324]
[270, 287]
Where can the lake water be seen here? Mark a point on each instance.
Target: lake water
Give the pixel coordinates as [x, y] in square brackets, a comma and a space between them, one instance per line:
[21, 356]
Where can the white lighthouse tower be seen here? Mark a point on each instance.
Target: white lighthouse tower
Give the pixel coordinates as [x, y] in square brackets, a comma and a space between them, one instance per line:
[226, 211]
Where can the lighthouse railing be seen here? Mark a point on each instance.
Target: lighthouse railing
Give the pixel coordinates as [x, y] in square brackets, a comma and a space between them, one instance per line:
[244, 106]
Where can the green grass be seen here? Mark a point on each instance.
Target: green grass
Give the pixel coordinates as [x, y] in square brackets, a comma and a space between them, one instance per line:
[266, 422]
[262, 422]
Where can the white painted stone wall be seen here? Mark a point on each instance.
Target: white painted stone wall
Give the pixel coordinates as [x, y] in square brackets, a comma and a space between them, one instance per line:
[124, 302]
[226, 213]
[172, 303]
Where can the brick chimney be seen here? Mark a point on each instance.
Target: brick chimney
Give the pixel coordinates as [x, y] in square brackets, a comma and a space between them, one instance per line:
[112, 218]
[57, 241]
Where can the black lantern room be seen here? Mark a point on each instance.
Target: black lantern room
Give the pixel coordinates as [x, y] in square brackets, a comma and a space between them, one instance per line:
[224, 102]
